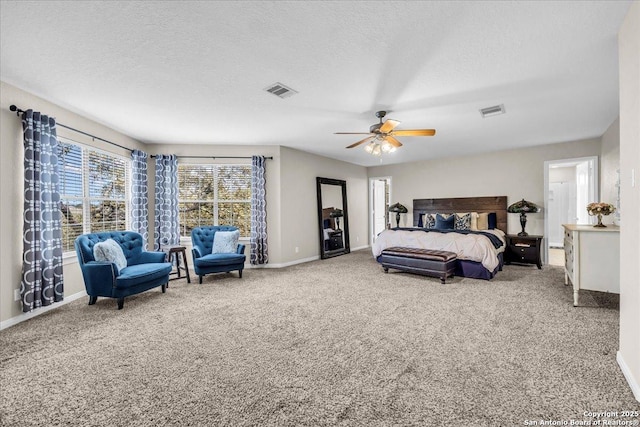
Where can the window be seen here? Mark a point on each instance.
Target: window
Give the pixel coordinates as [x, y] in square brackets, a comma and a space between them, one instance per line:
[93, 192]
[214, 195]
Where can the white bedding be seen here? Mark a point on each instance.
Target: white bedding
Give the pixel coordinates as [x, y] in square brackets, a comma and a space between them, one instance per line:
[473, 247]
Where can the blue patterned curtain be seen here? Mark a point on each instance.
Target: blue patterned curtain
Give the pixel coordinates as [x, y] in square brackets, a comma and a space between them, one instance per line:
[42, 281]
[259, 248]
[139, 195]
[167, 226]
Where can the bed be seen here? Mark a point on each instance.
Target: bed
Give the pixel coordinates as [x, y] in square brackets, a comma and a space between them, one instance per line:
[480, 253]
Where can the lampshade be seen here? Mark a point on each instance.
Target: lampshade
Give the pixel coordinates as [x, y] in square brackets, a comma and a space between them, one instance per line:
[523, 206]
[398, 208]
[336, 213]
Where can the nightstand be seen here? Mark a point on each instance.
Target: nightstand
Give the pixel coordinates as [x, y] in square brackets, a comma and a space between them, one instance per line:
[523, 250]
[335, 240]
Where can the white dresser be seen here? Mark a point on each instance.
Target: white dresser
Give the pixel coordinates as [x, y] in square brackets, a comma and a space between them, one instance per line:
[592, 258]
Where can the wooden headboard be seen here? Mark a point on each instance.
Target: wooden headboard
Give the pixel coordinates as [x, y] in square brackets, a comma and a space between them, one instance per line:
[497, 204]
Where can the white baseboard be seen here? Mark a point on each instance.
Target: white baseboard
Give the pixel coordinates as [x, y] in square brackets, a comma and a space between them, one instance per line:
[635, 387]
[30, 315]
[298, 261]
[285, 264]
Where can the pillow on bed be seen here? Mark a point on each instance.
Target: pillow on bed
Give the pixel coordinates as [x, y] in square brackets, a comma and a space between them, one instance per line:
[487, 221]
[483, 221]
[462, 221]
[474, 220]
[444, 222]
[492, 220]
[429, 221]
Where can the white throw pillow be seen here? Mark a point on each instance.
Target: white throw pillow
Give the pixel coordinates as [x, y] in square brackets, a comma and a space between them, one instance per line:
[225, 242]
[110, 251]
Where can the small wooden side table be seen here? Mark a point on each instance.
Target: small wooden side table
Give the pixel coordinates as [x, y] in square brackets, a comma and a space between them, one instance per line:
[173, 252]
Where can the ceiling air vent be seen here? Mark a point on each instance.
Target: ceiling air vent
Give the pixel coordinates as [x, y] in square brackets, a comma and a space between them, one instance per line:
[492, 111]
[278, 89]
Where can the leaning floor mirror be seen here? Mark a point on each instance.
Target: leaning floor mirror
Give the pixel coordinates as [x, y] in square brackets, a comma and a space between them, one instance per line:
[333, 217]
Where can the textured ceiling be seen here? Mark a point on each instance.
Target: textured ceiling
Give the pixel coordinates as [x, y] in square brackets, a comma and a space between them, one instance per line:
[195, 72]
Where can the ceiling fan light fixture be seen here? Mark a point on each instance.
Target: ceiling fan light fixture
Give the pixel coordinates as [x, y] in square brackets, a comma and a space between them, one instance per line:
[382, 136]
[369, 147]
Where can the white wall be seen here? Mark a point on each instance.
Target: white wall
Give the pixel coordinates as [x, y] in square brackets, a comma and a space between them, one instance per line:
[299, 201]
[515, 173]
[566, 174]
[629, 54]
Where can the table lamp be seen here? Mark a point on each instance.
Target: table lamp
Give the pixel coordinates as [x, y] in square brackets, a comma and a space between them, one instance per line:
[398, 209]
[523, 207]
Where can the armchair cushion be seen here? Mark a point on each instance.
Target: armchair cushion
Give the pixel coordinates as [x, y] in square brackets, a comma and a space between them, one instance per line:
[219, 259]
[225, 242]
[135, 274]
[110, 251]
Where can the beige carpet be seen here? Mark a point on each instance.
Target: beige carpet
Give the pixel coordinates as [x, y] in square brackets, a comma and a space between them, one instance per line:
[334, 342]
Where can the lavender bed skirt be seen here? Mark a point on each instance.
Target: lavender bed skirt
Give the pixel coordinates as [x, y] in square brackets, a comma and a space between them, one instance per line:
[474, 269]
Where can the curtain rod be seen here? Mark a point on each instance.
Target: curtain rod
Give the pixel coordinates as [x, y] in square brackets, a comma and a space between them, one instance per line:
[19, 110]
[153, 156]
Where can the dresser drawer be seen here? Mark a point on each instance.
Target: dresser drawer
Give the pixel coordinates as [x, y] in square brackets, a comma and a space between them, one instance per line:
[568, 235]
[568, 249]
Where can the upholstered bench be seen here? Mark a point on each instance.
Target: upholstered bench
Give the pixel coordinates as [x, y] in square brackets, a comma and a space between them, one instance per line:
[421, 261]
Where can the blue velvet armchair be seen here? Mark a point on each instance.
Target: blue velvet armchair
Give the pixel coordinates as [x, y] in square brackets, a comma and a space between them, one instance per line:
[205, 262]
[144, 270]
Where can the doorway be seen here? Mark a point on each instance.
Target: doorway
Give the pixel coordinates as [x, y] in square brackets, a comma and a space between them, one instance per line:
[570, 184]
[379, 197]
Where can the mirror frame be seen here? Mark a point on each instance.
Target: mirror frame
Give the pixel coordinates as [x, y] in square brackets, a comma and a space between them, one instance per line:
[345, 219]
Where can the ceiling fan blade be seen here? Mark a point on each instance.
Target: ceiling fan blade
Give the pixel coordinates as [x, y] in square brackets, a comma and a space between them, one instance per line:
[355, 144]
[389, 125]
[353, 133]
[414, 132]
[391, 140]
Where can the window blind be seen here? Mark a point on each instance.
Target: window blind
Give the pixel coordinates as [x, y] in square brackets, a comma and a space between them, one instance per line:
[214, 195]
[94, 189]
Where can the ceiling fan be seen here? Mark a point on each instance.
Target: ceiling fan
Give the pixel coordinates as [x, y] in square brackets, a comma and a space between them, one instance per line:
[382, 136]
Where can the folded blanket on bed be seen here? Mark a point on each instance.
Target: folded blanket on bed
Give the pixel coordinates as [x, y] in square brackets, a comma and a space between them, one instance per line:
[495, 240]
[473, 246]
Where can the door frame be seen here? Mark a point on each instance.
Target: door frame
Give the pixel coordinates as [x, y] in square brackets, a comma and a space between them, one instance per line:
[596, 192]
[371, 212]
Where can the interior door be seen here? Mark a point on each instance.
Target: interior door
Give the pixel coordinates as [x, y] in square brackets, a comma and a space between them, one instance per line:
[586, 190]
[379, 191]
